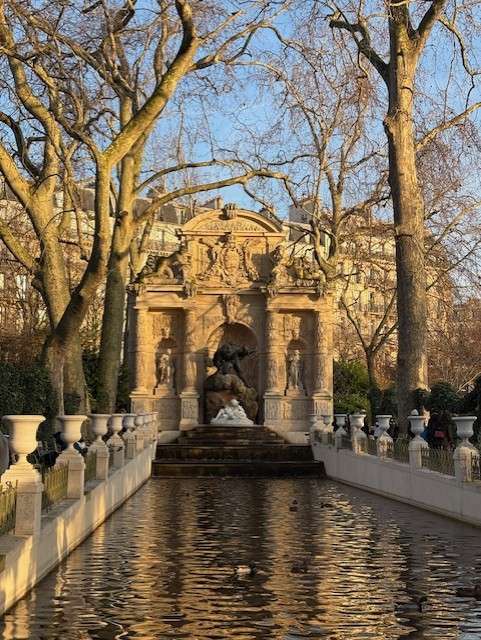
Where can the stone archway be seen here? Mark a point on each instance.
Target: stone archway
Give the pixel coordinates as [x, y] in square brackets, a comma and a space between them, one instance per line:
[242, 335]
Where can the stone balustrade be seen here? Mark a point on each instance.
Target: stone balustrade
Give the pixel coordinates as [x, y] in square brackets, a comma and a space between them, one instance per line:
[27, 479]
[45, 514]
[441, 480]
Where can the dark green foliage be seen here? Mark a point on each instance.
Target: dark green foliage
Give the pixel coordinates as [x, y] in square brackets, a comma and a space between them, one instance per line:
[27, 390]
[443, 397]
[383, 401]
[123, 389]
[420, 400]
[351, 387]
[90, 360]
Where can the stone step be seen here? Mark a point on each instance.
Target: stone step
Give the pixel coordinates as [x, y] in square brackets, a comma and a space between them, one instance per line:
[223, 432]
[250, 452]
[243, 469]
[223, 442]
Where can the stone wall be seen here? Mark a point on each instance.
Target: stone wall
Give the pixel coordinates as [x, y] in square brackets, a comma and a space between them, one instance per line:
[430, 490]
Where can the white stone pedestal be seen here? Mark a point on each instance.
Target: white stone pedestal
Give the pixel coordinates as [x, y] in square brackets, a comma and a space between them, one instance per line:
[76, 472]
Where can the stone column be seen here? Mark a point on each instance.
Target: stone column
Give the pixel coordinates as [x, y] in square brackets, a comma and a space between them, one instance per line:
[142, 350]
[322, 358]
[275, 375]
[189, 397]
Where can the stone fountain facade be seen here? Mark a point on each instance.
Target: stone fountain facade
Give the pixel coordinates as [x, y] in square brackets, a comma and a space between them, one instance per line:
[234, 279]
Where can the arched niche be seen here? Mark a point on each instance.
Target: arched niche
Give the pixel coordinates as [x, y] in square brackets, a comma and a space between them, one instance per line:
[242, 335]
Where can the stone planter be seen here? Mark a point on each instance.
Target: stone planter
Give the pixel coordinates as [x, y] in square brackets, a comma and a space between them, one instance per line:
[357, 435]
[71, 432]
[465, 455]
[326, 428]
[99, 425]
[115, 442]
[129, 435]
[417, 444]
[384, 440]
[22, 441]
[464, 428]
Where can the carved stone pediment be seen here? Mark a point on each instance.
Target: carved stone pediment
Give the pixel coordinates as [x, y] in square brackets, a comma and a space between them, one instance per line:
[229, 262]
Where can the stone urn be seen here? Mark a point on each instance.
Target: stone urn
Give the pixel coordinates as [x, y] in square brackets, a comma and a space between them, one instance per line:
[384, 440]
[418, 423]
[129, 422]
[71, 431]
[466, 456]
[357, 434]
[383, 422]
[116, 424]
[464, 428]
[23, 438]
[417, 444]
[99, 425]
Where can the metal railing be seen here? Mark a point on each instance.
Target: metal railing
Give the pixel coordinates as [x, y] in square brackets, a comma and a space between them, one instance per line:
[368, 445]
[440, 460]
[398, 450]
[90, 466]
[475, 468]
[346, 442]
[8, 504]
[55, 482]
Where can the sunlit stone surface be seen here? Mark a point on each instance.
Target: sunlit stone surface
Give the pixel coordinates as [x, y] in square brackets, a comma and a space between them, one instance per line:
[339, 565]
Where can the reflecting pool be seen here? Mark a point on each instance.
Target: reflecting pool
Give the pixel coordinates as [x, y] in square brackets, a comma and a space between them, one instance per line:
[338, 564]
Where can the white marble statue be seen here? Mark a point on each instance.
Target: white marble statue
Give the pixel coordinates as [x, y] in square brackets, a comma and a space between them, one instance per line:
[294, 371]
[231, 415]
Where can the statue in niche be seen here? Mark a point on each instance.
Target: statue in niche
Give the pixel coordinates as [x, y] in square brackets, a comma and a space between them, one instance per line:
[231, 414]
[165, 368]
[295, 371]
[228, 383]
[231, 307]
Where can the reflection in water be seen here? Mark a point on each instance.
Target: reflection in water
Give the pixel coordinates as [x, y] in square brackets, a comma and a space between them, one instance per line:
[341, 565]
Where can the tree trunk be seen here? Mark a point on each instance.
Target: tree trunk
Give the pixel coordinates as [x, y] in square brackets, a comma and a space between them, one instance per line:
[373, 384]
[67, 359]
[113, 319]
[409, 228]
[117, 275]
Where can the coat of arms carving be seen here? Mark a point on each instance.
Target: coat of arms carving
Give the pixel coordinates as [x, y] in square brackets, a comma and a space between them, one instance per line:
[230, 263]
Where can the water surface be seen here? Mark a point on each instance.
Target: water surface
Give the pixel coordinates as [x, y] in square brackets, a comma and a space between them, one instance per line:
[338, 565]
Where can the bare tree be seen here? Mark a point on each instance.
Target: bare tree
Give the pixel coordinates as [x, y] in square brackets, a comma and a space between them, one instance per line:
[91, 72]
[407, 28]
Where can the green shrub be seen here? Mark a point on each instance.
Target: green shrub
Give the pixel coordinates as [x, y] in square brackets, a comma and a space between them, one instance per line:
[351, 387]
[443, 397]
[27, 390]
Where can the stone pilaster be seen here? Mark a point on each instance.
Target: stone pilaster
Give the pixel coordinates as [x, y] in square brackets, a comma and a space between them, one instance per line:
[322, 357]
[189, 397]
[274, 371]
[142, 350]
